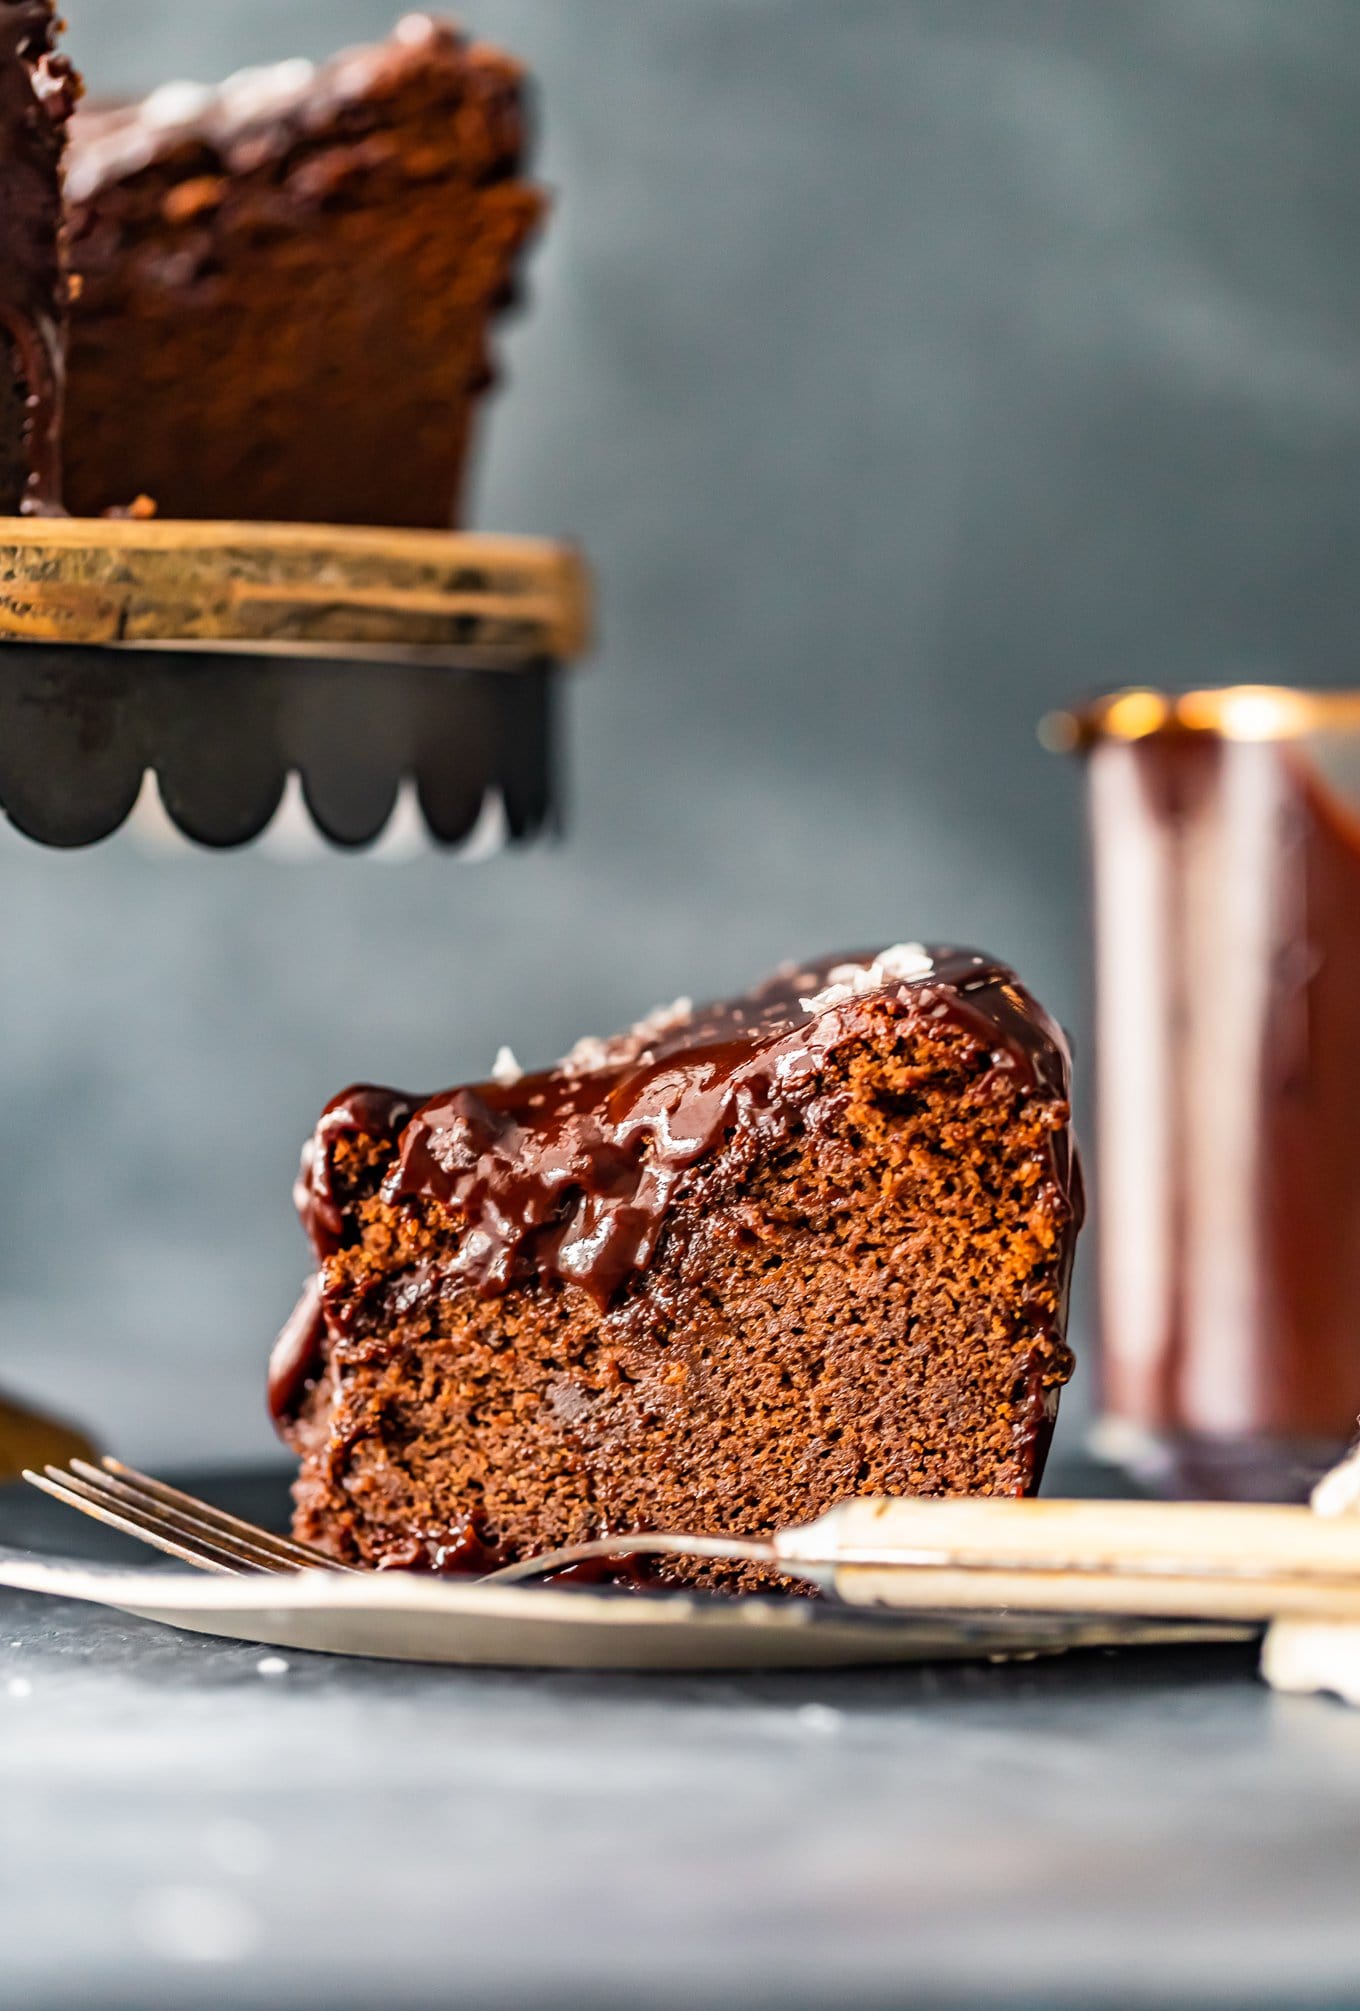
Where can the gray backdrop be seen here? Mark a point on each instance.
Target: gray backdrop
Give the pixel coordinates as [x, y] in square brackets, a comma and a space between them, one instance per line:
[906, 366]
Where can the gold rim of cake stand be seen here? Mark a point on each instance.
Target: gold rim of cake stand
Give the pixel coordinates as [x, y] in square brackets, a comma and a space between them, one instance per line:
[1231, 712]
[94, 581]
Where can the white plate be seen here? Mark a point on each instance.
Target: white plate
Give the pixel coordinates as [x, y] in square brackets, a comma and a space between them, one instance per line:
[409, 1619]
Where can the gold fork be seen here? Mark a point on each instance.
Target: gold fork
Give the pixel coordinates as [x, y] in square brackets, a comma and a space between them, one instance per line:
[177, 1523]
[1195, 1560]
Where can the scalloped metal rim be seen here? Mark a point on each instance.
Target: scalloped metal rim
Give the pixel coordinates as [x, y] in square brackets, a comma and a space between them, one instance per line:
[81, 727]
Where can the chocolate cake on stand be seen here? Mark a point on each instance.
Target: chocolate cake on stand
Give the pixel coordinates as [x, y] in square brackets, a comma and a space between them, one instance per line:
[272, 610]
[288, 283]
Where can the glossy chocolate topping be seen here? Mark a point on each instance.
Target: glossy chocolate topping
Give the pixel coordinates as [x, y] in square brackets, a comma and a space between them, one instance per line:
[583, 1162]
[571, 1172]
[38, 92]
[363, 1111]
[297, 1352]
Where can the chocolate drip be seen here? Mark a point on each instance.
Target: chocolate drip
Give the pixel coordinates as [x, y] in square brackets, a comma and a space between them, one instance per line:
[573, 1171]
[462, 1549]
[361, 1112]
[299, 1352]
[38, 93]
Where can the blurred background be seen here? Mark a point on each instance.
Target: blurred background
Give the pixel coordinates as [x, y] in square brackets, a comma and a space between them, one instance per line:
[906, 367]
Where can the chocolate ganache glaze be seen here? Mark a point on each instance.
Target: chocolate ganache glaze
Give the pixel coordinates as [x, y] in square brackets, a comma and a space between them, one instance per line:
[38, 93]
[572, 1172]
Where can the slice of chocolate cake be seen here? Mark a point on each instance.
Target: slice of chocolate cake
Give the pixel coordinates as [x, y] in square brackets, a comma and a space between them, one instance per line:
[286, 285]
[38, 91]
[717, 1273]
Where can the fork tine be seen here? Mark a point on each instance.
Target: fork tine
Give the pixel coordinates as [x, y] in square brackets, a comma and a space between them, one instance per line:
[203, 1556]
[92, 1487]
[286, 1549]
[195, 1526]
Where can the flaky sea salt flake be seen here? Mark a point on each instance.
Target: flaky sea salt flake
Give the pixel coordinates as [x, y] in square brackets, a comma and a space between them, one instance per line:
[902, 963]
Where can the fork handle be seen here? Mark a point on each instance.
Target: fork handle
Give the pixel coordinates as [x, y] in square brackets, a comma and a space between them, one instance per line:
[1257, 1600]
[1231, 1562]
[28, 1439]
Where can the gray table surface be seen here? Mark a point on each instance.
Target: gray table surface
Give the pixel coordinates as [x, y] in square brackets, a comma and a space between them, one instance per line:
[178, 1826]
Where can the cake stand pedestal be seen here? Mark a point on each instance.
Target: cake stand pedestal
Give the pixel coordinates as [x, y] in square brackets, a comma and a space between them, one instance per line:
[235, 669]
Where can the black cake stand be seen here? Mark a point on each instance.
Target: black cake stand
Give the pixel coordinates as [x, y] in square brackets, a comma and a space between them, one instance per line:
[224, 659]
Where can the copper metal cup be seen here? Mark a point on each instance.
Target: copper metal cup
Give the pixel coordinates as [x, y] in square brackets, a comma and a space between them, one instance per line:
[1226, 838]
